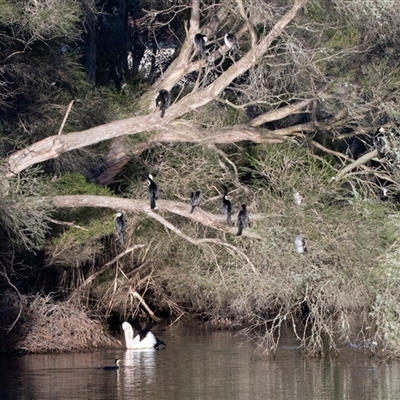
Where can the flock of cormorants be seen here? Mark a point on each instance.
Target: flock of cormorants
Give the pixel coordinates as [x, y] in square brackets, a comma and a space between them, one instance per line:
[195, 200]
[162, 102]
[164, 97]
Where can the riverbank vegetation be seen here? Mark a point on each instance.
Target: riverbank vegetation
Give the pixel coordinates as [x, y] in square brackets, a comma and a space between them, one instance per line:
[287, 124]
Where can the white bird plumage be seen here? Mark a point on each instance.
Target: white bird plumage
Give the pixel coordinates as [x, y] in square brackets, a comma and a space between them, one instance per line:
[300, 244]
[298, 198]
[145, 339]
[231, 41]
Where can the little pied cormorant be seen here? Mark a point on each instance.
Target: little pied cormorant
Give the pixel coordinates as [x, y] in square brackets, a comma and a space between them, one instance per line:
[113, 367]
[200, 41]
[383, 195]
[120, 226]
[152, 191]
[145, 339]
[227, 208]
[300, 243]
[195, 199]
[379, 142]
[231, 41]
[242, 220]
[163, 100]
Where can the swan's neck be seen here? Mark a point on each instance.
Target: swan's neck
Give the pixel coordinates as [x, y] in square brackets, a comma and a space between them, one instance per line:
[129, 337]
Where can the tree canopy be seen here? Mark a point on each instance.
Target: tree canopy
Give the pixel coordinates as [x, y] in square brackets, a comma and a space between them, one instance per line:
[295, 110]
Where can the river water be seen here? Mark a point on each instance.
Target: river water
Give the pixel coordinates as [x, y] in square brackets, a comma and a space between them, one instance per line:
[199, 365]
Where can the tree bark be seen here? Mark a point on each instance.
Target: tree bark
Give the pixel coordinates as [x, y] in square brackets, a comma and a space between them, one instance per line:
[214, 221]
[53, 146]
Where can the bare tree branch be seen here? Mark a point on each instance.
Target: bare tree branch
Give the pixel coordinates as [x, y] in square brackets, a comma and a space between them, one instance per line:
[105, 267]
[53, 146]
[66, 116]
[280, 113]
[134, 205]
[360, 161]
[207, 219]
[72, 224]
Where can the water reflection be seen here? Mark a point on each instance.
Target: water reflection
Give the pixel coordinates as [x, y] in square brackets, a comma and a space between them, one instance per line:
[199, 365]
[139, 368]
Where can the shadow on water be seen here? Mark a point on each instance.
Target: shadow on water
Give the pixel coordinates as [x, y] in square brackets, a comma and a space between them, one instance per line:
[199, 365]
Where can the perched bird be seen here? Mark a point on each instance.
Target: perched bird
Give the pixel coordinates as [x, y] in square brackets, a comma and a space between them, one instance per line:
[195, 199]
[152, 191]
[145, 339]
[231, 41]
[120, 226]
[200, 41]
[383, 195]
[162, 101]
[300, 244]
[227, 208]
[113, 367]
[242, 220]
[379, 142]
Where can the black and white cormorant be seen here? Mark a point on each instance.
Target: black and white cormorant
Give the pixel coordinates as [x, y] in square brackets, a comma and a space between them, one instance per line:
[195, 199]
[231, 41]
[152, 191]
[200, 41]
[227, 208]
[383, 194]
[379, 142]
[242, 220]
[113, 367]
[300, 244]
[145, 339]
[120, 226]
[162, 101]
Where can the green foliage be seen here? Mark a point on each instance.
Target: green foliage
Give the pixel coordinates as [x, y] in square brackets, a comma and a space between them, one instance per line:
[345, 38]
[334, 275]
[9, 12]
[80, 242]
[124, 103]
[96, 224]
[48, 18]
[178, 170]
[385, 309]
[24, 214]
[75, 183]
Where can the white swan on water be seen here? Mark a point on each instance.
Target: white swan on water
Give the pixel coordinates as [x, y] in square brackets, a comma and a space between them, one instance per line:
[145, 339]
